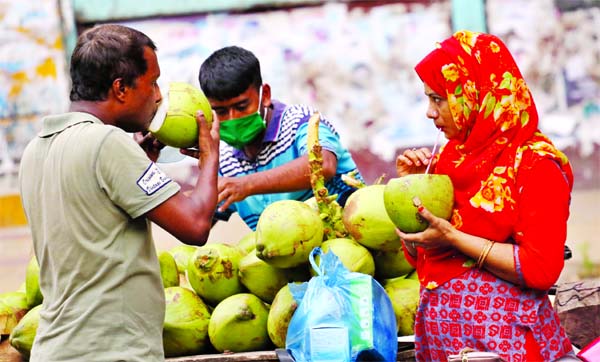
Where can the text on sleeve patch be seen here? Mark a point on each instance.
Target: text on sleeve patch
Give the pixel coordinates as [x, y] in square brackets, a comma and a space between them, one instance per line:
[153, 179]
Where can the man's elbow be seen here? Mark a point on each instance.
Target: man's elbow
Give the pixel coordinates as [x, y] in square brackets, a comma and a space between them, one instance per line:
[198, 235]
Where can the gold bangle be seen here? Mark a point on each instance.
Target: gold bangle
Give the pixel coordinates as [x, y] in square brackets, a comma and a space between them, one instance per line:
[487, 244]
[484, 253]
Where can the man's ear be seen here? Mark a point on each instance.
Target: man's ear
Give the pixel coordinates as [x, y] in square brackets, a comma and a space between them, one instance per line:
[266, 93]
[119, 89]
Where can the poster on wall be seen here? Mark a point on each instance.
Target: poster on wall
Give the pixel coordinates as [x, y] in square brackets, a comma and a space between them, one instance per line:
[33, 79]
[33, 65]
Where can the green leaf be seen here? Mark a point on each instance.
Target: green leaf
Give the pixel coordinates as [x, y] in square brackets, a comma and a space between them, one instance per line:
[466, 111]
[469, 263]
[524, 118]
[458, 90]
[507, 78]
[490, 102]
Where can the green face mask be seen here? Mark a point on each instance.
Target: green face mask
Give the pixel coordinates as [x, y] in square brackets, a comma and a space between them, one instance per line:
[238, 132]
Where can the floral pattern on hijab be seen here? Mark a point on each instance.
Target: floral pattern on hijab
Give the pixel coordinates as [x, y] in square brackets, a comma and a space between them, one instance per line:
[498, 136]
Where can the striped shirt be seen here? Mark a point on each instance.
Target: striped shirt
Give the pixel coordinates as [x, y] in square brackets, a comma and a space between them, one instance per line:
[285, 140]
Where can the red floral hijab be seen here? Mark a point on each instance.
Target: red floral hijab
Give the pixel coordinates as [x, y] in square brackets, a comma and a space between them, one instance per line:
[498, 136]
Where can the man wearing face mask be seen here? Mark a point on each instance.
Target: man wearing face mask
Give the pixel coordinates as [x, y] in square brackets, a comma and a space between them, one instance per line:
[263, 158]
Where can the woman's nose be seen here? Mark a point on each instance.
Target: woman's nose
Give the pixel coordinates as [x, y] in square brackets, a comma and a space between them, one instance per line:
[432, 113]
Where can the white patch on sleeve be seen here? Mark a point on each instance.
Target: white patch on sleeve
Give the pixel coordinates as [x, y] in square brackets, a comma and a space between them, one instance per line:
[153, 179]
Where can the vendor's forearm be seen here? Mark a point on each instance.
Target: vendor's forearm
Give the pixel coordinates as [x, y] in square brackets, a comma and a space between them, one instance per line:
[293, 176]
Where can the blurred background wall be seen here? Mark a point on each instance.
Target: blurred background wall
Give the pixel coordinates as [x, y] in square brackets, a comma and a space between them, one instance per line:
[353, 60]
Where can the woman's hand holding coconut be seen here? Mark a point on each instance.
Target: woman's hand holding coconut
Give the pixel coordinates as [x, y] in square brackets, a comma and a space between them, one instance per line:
[412, 161]
[441, 234]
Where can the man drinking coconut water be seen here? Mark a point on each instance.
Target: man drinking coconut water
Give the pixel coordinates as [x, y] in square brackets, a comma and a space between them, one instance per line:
[90, 191]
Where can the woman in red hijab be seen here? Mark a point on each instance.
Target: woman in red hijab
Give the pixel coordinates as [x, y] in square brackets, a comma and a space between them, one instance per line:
[485, 274]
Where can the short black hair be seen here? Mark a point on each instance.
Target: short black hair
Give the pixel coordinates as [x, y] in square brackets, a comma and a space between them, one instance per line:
[104, 53]
[228, 72]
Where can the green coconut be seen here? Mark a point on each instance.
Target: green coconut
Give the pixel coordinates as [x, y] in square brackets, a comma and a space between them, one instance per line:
[286, 232]
[404, 295]
[22, 336]
[282, 309]
[182, 254]
[261, 278]
[391, 264]
[32, 284]
[168, 269]
[247, 243]
[13, 306]
[355, 257]
[435, 192]
[185, 331]
[213, 272]
[175, 121]
[367, 221]
[239, 324]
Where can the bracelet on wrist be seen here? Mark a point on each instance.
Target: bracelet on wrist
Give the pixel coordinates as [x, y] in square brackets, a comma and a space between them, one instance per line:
[484, 253]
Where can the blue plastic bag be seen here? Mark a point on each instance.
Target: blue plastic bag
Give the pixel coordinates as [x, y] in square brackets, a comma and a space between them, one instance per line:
[341, 316]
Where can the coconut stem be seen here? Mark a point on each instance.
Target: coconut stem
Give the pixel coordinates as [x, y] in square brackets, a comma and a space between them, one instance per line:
[329, 210]
[351, 180]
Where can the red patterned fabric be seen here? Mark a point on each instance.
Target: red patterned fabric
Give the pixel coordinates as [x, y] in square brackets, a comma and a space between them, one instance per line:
[479, 311]
[499, 139]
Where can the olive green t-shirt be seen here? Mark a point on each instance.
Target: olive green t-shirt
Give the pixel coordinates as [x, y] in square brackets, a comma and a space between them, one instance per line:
[85, 188]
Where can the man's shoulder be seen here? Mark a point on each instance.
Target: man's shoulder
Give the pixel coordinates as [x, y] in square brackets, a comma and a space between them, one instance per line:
[89, 134]
[298, 113]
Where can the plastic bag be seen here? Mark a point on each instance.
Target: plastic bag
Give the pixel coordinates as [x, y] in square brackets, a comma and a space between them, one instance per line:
[341, 316]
